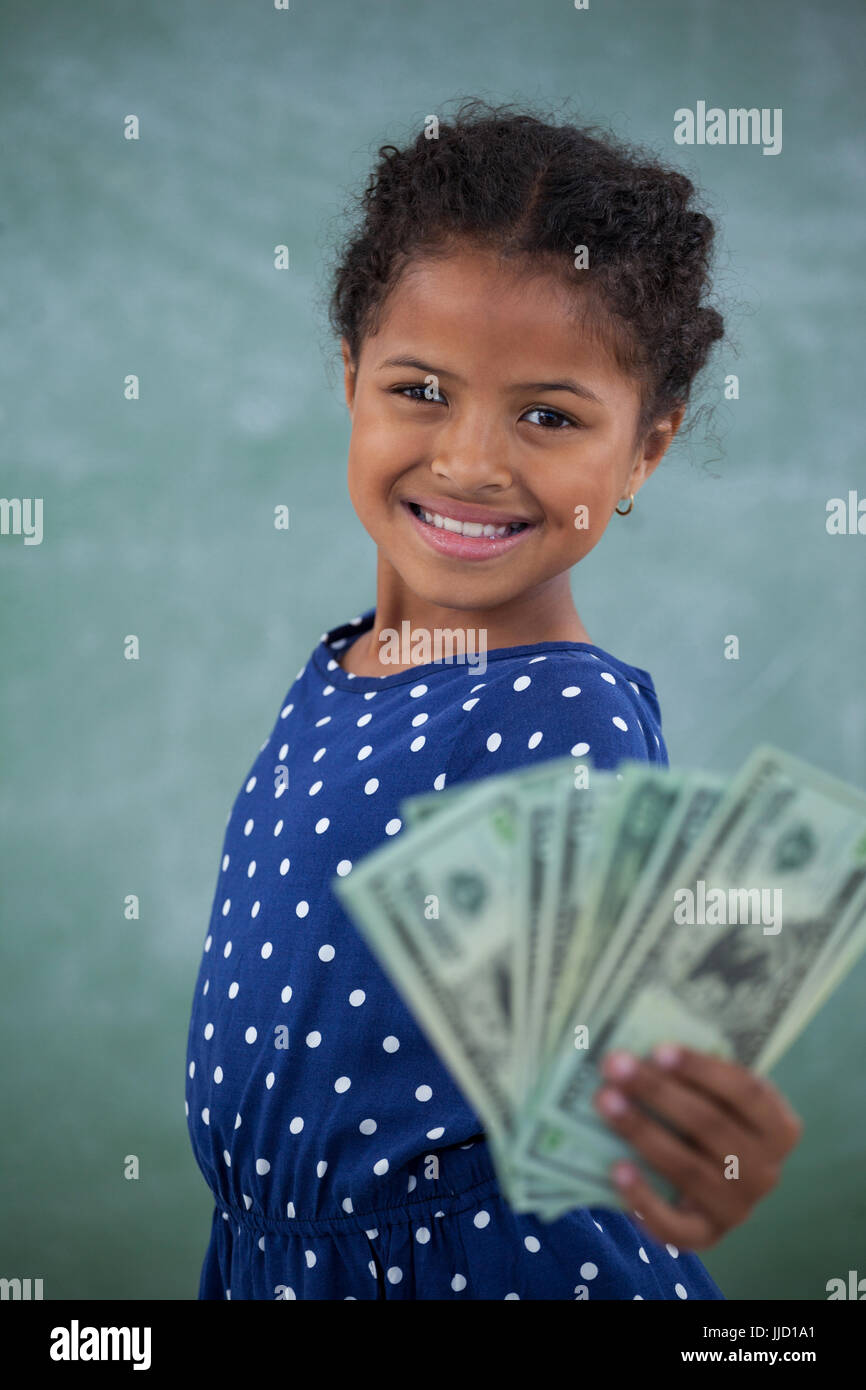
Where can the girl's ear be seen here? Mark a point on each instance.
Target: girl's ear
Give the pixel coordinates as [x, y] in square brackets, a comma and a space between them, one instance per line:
[658, 441]
[349, 376]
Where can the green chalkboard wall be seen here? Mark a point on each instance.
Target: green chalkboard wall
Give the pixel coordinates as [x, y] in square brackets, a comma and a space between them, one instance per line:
[154, 258]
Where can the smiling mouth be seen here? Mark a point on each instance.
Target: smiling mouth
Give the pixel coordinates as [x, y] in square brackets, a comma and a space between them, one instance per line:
[467, 528]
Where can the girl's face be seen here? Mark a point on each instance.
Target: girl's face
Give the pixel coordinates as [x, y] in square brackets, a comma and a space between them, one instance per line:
[527, 421]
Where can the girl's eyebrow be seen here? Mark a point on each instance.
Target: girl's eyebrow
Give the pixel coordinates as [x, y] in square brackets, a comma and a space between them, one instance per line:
[566, 384]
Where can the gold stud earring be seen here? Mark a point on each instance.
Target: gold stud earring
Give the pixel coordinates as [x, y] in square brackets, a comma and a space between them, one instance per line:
[628, 508]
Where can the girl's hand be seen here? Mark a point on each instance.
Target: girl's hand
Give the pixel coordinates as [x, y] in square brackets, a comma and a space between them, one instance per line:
[724, 1113]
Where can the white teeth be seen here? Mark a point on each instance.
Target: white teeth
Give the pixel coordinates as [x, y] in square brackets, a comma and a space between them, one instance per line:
[465, 528]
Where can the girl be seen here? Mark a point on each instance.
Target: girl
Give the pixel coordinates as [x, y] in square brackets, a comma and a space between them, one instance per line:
[521, 314]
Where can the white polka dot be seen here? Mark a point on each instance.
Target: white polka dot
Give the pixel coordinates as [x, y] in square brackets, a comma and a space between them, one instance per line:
[250, 1035]
[481, 1219]
[638, 1296]
[192, 1069]
[296, 1125]
[436, 1133]
[205, 1114]
[644, 1256]
[319, 753]
[469, 703]
[218, 1075]
[226, 906]
[672, 1251]
[620, 723]
[372, 1268]
[225, 862]
[208, 1030]
[372, 1233]
[344, 867]
[261, 1242]
[254, 910]
[588, 1270]
[570, 691]
[511, 1296]
[287, 710]
[458, 1283]
[290, 1210]
[391, 1044]
[284, 866]
[270, 1079]
[412, 1183]
[283, 751]
[342, 1084]
[302, 908]
[535, 739]
[393, 826]
[251, 868]
[249, 825]
[420, 719]
[262, 1166]
[422, 1235]
[208, 941]
[248, 1201]
[227, 1157]
[250, 784]
[347, 1205]
[321, 1168]
[325, 720]
[356, 998]
[532, 1243]
[423, 1093]
[439, 782]
[370, 787]
[522, 682]
[206, 986]
[238, 1121]
[316, 787]
[326, 953]
[395, 1274]
[267, 950]
[313, 1039]
[368, 1126]
[227, 949]
[380, 1167]
[278, 827]
[416, 691]
[322, 825]
[310, 1257]
[417, 743]
[606, 676]
[286, 994]
[680, 1291]
[365, 752]
[493, 742]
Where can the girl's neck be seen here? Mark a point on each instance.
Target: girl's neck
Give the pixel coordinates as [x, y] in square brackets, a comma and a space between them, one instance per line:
[548, 615]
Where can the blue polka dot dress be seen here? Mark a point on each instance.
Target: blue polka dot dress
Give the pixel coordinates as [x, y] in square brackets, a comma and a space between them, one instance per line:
[343, 1159]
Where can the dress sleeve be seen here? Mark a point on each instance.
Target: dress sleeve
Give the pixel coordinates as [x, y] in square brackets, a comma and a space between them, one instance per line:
[555, 707]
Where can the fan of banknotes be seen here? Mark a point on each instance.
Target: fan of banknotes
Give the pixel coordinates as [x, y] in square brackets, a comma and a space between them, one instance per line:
[537, 919]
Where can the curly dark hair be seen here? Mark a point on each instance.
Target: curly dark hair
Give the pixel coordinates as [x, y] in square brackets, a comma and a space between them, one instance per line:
[506, 179]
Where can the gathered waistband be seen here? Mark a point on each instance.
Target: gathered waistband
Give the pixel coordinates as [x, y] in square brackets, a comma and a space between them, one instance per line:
[465, 1178]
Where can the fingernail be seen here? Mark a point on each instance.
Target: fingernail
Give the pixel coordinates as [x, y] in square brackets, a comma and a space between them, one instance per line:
[613, 1103]
[620, 1064]
[624, 1174]
[667, 1054]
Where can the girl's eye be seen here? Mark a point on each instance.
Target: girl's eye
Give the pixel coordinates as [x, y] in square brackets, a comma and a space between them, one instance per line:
[558, 417]
[424, 396]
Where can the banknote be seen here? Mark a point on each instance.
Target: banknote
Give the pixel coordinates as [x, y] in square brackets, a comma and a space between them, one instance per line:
[539, 918]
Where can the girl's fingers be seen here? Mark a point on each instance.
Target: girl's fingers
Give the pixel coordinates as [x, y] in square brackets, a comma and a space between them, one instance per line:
[688, 1229]
[756, 1101]
[713, 1186]
[713, 1129]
